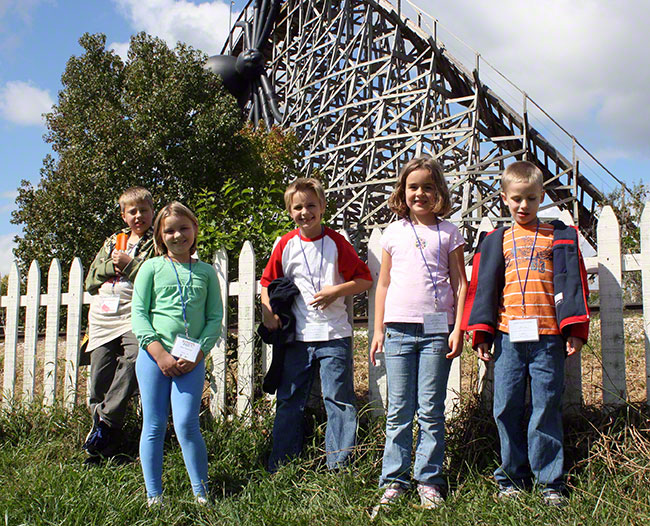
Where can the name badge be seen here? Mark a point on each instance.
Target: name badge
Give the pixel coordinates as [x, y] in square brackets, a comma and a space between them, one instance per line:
[435, 323]
[316, 332]
[524, 330]
[186, 348]
[110, 304]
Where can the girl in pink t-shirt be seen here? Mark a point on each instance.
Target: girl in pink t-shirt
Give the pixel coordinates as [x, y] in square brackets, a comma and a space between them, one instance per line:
[418, 310]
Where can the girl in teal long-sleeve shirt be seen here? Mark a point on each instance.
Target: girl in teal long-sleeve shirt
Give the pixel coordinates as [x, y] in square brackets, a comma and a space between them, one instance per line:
[176, 316]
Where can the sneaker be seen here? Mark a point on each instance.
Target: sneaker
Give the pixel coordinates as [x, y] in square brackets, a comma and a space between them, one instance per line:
[554, 498]
[430, 496]
[508, 492]
[98, 438]
[155, 502]
[201, 500]
[392, 492]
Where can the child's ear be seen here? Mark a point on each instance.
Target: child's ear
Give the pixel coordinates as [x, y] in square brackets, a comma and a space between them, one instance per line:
[541, 197]
[504, 198]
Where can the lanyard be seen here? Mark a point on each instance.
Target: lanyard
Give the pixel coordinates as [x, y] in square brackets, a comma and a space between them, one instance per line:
[320, 269]
[434, 281]
[532, 252]
[180, 291]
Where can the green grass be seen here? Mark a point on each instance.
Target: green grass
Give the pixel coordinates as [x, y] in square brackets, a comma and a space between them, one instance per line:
[43, 479]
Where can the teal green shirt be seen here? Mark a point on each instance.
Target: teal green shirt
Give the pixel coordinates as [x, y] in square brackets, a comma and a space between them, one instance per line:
[157, 311]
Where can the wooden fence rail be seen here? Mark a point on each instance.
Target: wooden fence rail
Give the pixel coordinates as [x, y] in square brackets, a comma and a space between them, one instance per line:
[609, 265]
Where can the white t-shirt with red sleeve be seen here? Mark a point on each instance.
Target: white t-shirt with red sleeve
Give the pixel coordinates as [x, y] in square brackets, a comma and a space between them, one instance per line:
[411, 291]
[312, 264]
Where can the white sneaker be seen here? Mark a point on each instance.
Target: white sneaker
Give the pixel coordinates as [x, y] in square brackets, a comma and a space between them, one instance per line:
[155, 502]
[201, 500]
[430, 496]
[392, 492]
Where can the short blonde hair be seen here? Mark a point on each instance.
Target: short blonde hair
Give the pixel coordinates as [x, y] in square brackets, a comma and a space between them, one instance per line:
[135, 194]
[304, 184]
[522, 172]
[172, 209]
[397, 200]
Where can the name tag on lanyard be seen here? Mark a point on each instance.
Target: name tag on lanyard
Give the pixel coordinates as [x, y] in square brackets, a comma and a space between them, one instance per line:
[110, 304]
[316, 332]
[186, 348]
[435, 323]
[523, 330]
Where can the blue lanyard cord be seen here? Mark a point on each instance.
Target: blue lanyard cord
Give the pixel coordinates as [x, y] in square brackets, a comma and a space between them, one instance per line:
[434, 281]
[180, 291]
[320, 269]
[532, 252]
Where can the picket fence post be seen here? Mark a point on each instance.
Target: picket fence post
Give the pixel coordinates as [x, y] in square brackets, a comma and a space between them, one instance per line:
[245, 329]
[377, 386]
[645, 285]
[11, 333]
[52, 319]
[33, 303]
[74, 300]
[485, 369]
[218, 354]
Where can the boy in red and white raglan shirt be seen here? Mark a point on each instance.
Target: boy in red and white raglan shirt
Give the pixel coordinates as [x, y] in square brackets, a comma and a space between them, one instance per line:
[325, 268]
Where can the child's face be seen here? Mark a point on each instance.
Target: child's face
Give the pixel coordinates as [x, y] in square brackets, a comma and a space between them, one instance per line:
[523, 200]
[420, 192]
[138, 216]
[178, 234]
[307, 212]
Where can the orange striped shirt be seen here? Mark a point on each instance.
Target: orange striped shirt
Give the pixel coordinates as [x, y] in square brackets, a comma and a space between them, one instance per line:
[539, 295]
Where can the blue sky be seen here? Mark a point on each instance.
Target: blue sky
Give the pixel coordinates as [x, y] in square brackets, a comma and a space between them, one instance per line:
[584, 62]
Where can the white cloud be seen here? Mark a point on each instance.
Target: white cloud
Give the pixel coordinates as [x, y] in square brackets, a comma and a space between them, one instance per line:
[203, 25]
[22, 103]
[10, 204]
[583, 62]
[6, 252]
[121, 48]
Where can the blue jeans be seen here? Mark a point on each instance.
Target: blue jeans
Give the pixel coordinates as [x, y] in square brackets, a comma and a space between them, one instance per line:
[541, 457]
[417, 371]
[335, 360]
[157, 392]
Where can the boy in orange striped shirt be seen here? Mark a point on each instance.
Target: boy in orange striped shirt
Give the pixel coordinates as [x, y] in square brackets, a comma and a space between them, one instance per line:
[528, 296]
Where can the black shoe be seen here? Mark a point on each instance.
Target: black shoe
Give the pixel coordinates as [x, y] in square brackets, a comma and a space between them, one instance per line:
[98, 438]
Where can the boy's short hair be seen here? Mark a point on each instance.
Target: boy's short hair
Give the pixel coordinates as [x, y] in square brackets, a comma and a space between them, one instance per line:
[172, 209]
[522, 172]
[304, 184]
[135, 194]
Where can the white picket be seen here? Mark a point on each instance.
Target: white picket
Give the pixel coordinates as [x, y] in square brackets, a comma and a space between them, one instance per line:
[611, 308]
[11, 333]
[218, 353]
[645, 284]
[53, 316]
[377, 386]
[246, 329]
[31, 330]
[572, 400]
[74, 300]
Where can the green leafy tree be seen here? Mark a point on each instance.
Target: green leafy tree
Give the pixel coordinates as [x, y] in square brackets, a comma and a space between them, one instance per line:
[159, 120]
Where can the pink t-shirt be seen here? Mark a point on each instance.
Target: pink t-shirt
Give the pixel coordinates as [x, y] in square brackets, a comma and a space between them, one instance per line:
[411, 290]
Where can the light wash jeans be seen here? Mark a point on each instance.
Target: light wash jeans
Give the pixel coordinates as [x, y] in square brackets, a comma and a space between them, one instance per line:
[541, 457]
[417, 371]
[183, 393]
[335, 360]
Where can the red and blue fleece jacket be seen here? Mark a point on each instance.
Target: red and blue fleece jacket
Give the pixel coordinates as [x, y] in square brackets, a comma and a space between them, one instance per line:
[488, 281]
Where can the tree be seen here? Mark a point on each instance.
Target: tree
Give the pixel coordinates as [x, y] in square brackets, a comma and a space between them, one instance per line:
[159, 120]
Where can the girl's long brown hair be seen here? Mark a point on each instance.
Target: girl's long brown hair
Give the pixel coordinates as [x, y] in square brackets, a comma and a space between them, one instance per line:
[172, 209]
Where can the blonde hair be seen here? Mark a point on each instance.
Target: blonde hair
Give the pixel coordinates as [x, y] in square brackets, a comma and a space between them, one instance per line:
[135, 194]
[304, 184]
[442, 204]
[172, 209]
[522, 172]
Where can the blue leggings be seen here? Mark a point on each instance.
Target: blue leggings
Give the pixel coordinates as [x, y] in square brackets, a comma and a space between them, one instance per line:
[184, 393]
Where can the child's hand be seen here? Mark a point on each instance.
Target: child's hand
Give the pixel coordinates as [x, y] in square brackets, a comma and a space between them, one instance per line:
[185, 366]
[377, 345]
[325, 297]
[573, 345]
[455, 344]
[120, 259]
[168, 364]
[271, 321]
[483, 351]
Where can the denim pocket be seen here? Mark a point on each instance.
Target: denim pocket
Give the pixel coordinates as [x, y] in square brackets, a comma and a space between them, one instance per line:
[393, 341]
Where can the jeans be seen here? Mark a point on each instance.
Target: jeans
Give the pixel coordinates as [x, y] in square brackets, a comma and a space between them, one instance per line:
[335, 360]
[542, 456]
[112, 378]
[417, 371]
[157, 392]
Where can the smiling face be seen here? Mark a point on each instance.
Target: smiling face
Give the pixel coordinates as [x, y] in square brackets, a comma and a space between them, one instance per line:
[420, 196]
[523, 199]
[307, 211]
[178, 234]
[138, 216]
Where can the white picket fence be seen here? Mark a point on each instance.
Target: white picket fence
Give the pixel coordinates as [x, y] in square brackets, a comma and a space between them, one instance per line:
[608, 265]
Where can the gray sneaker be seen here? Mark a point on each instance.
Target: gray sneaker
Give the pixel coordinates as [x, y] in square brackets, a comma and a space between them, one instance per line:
[508, 492]
[430, 495]
[392, 492]
[554, 498]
